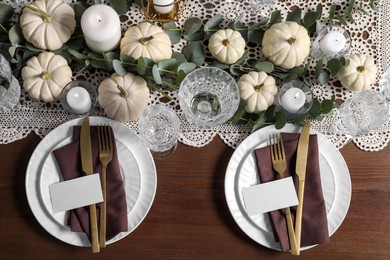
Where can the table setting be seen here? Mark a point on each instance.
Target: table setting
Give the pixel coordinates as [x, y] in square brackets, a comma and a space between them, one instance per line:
[115, 87]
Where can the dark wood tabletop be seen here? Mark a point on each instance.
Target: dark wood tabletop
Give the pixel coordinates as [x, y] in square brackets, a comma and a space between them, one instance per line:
[189, 218]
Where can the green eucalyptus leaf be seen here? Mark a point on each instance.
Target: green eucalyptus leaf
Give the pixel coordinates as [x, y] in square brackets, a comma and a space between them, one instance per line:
[276, 17]
[98, 64]
[219, 65]
[315, 109]
[127, 59]
[213, 22]
[12, 51]
[144, 65]
[300, 70]
[256, 36]
[341, 19]
[344, 62]
[186, 67]
[77, 54]
[310, 19]
[173, 32]
[156, 75]
[79, 9]
[6, 12]
[166, 65]
[323, 77]
[243, 58]
[332, 11]
[318, 69]
[260, 122]
[319, 10]
[180, 76]
[334, 66]
[238, 116]
[300, 120]
[194, 52]
[236, 70]
[280, 120]
[15, 34]
[265, 66]
[31, 47]
[119, 69]
[294, 15]
[192, 25]
[120, 6]
[179, 57]
[327, 106]
[198, 36]
[292, 76]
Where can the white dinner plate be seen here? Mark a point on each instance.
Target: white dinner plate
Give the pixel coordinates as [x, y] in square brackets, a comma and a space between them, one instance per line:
[242, 172]
[137, 168]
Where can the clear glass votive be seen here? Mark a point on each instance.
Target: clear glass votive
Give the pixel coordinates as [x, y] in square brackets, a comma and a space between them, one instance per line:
[159, 129]
[364, 112]
[208, 96]
[261, 7]
[295, 98]
[333, 41]
[79, 97]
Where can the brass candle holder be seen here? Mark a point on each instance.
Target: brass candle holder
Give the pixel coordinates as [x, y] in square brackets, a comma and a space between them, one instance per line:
[151, 14]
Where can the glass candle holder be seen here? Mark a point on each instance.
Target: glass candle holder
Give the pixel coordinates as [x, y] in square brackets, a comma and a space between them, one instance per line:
[162, 10]
[333, 41]
[295, 98]
[79, 97]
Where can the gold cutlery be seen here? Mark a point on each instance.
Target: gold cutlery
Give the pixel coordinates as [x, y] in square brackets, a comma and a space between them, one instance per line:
[278, 158]
[105, 156]
[86, 161]
[300, 170]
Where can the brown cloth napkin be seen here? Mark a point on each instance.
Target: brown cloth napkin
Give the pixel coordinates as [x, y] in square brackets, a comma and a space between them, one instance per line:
[314, 219]
[69, 161]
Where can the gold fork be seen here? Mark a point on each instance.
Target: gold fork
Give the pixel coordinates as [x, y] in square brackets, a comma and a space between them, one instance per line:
[279, 163]
[105, 156]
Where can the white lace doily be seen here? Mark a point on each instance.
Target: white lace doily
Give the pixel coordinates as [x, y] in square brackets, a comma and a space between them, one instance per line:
[370, 35]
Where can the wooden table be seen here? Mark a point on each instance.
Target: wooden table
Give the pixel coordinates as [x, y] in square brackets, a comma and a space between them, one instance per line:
[190, 219]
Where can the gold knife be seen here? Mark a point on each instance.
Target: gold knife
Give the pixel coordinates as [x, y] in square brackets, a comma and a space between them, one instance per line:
[300, 170]
[86, 162]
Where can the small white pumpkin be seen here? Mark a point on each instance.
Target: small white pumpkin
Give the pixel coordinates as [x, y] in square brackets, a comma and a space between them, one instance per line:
[258, 90]
[286, 44]
[45, 75]
[359, 74]
[227, 46]
[48, 24]
[146, 40]
[123, 98]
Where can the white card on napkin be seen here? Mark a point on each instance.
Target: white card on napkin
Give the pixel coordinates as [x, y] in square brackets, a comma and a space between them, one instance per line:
[270, 196]
[76, 193]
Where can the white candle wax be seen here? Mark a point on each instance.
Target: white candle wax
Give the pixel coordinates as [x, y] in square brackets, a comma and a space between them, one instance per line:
[293, 100]
[332, 43]
[163, 9]
[79, 100]
[101, 28]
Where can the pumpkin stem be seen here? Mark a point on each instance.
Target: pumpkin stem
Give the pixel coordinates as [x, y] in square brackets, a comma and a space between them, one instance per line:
[46, 17]
[291, 40]
[45, 75]
[259, 87]
[123, 93]
[361, 69]
[145, 40]
[226, 42]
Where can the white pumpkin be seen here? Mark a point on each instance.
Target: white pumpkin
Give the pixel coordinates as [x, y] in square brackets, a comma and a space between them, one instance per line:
[45, 75]
[227, 46]
[258, 90]
[48, 24]
[359, 74]
[286, 44]
[123, 98]
[146, 40]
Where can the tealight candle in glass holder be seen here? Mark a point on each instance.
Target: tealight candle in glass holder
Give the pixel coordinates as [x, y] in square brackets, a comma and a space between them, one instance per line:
[332, 41]
[295, 98]
[79, 97]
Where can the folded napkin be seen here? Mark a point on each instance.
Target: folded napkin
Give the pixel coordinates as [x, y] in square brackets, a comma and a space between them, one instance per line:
[314, 220]
[69, 161]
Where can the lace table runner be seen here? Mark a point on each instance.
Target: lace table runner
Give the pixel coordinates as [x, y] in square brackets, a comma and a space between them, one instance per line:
[370, 35]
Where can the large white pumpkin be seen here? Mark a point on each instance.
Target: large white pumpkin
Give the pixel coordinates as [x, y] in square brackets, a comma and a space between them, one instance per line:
[286, 44]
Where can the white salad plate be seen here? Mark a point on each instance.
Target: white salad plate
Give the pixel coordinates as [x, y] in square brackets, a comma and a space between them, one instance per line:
[242, 172]
[137, 168]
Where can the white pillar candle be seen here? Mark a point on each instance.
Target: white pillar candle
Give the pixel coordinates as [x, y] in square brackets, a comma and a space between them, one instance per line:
[293, 100]
[163, 9]
[332, 43]
[79, 100]
[101, 28]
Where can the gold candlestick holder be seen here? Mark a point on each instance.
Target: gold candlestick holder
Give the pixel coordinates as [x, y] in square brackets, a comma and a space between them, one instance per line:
[152, 15]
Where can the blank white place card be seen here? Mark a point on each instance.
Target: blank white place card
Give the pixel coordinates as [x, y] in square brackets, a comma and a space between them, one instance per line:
[76, 193]
[270, 196]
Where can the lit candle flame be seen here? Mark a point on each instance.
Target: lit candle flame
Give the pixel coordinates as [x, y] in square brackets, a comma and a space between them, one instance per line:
[99, 19]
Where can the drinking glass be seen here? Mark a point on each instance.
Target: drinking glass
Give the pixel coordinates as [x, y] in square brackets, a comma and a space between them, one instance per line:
[261, 7]
[364, 112]
[159, 130]
[208, 96]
